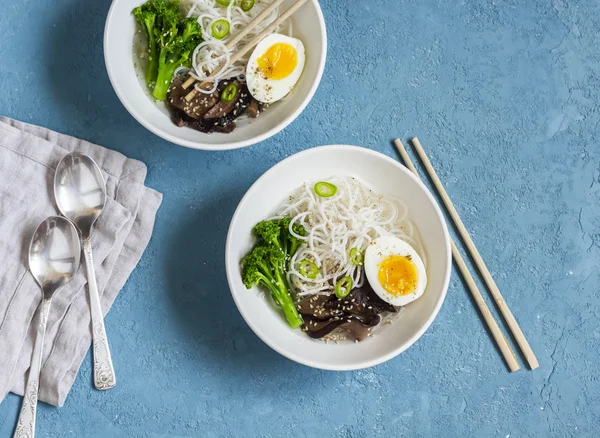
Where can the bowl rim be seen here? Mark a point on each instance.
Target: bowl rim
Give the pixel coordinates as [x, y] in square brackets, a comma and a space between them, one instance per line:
[225, 146]
[364, 363]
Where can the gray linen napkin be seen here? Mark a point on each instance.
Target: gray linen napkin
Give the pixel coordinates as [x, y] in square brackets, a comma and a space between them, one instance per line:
[28, 158]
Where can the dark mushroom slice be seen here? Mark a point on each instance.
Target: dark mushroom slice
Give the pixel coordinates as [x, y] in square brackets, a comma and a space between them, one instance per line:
[307, 305]
[320, 329]
[222, 108]
[357, 326]
[225, 124]
[195, 108]
[355, 314]
[253, 109]
[317, 307]
[182, 119]
[226, 112]
[358, 330]
[210, 127]
[178, 117]
[364, 300]
[207, 112]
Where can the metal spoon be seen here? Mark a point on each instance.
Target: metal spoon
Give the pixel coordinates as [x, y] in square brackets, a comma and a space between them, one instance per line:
[80, 194]
[54, 255]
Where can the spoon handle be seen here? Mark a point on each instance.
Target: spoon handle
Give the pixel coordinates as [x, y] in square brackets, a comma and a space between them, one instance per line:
[26, 423]
[104, 373]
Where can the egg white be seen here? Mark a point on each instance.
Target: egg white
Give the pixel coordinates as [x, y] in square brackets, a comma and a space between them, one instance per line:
[270, 90]
[382, 248]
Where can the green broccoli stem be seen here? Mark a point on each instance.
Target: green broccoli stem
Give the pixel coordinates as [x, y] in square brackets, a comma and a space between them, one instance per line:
[152, 67]
[286, 302]
[292, 316]
[166, 68]
[293, 247]
[277, 284]
[281, 296]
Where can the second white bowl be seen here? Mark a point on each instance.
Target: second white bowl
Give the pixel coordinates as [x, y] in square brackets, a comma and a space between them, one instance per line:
[382, 174]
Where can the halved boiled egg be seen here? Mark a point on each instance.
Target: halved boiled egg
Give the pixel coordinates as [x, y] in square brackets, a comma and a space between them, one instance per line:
[394, 270]
[274, 67]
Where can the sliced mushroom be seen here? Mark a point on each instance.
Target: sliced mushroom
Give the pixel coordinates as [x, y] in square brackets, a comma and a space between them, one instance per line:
[207, 113]
[355, 314]
[308, 305]
[227, 112]
[221, 109]
[197, 107]
[182, 119]
[317, 308]
[253, 109]
[357, 326]
[365, 300]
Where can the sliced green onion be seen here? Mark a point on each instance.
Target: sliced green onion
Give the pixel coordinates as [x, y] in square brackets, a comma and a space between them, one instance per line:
[356, 257]
[246, 5]
[325, 189]
[220, 29]
[308, 269]
[343, 287]
[224, 2]
[229, 93]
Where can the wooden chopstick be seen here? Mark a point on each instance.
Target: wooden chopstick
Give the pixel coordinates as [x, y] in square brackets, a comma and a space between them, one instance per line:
[489, 281]
[241, 34]
[266, 31]
[503, 345]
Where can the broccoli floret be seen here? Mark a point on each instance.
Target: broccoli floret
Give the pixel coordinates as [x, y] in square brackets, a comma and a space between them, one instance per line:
[171, 41]
[277, 233]
[263, 267]
[191, 29]
[270, 232]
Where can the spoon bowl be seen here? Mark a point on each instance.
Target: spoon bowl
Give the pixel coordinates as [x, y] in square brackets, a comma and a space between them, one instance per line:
[80, 190]
[54, 253]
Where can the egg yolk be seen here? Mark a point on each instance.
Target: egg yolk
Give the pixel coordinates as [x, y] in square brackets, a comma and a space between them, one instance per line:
[278, 62]
[398, 275]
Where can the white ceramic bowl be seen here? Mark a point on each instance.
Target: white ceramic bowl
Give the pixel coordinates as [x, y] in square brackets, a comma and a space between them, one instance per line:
[383, 175]
[308, 26]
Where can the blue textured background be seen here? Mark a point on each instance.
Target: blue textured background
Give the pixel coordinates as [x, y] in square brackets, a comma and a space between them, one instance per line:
[503, 95]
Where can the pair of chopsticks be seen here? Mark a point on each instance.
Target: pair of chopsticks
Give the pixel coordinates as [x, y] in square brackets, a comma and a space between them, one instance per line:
[237, 38]
[503, 345]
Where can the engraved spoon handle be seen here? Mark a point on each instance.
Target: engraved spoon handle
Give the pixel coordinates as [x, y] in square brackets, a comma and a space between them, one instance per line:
[26, 423]
[104, 373]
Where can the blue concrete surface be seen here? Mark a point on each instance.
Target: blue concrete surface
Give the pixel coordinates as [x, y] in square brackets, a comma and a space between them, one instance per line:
[504, 95]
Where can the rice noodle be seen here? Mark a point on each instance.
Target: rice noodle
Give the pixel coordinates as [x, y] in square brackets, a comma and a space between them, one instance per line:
[212, 52]
[352, 218]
